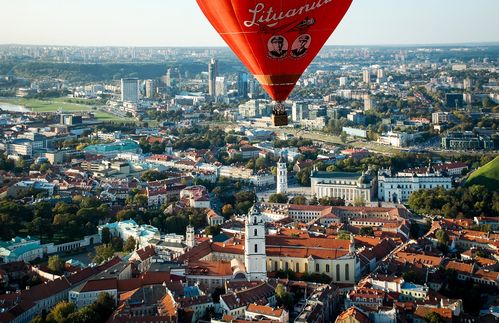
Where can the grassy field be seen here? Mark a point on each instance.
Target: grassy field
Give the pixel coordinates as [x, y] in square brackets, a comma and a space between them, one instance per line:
[487, 175]
[61, 104]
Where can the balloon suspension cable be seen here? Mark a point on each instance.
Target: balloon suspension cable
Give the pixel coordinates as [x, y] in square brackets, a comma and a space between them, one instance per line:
[279, 109]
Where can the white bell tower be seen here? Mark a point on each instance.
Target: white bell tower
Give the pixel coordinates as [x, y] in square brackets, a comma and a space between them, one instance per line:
[190, 238]
[255, 258]
[282, 176]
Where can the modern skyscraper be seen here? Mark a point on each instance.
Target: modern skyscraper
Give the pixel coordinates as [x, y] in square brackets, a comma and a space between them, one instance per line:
[255, 258]
[282, 176]
[467, 84]
[242, 84]
[380, 73]
[368, 103]
[129, 90]
[220, 86]
[150, 89]
[299, 111]
[212, 76]
[366, 76]
[254, 88]
[343, 81]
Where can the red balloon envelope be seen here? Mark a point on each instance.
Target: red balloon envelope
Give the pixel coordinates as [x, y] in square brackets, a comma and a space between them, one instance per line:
[275, 39]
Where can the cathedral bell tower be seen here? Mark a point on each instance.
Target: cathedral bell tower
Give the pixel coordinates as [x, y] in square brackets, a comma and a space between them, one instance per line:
[282, 176]
[255, 258]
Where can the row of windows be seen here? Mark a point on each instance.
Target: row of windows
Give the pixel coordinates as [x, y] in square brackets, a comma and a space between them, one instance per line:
[317, 269]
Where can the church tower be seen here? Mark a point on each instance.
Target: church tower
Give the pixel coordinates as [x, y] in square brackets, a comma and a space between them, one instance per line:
[190, 239]
[282, 176]
[254, 246]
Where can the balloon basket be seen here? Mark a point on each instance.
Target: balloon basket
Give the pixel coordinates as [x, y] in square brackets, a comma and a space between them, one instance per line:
[280, 120]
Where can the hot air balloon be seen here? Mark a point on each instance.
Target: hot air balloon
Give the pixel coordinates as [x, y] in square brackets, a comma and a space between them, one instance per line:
[275, 39]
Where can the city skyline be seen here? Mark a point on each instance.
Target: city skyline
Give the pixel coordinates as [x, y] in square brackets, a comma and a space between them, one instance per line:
[157, 23]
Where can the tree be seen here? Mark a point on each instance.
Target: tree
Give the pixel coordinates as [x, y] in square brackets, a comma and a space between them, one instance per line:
[89, 202]
[278, 198]
[442, 237]
[433, 317]
[359, 201]
[227, 210]
[331, 201]
[61, 311]
[343, 137]
[130, 244]
[366, 231]
[299, 200]
[55, 264]
[343, 235]
[104, 306]
[117, 243]
[125, 214]
[106, 235]
[140, 200]
[212, 230]
[103, 252]
[284, 298]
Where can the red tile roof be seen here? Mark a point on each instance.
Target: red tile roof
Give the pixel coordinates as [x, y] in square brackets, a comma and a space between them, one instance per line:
[353, 314]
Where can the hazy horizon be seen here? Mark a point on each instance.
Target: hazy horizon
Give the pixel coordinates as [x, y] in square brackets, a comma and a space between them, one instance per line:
[168, 23]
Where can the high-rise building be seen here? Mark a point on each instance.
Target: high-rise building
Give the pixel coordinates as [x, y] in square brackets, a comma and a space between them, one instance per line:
[380, 73]
[220, 86]
[282, 176]
[299, 111]
[368, 103]
[366, 76]
[343, 81]
[254, 88]
[255, 258]
[212, 76]
[129, 90]
[150, 89]
[172, 77]
[467, 84]
[242, 84]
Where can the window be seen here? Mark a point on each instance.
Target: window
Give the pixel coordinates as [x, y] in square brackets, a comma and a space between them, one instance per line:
[256, 248]
[297, 267]
[275, 266]
[317, 268]
[286, 266]
[327, 268]
[338, 272]
[347, 272]
[256, 232]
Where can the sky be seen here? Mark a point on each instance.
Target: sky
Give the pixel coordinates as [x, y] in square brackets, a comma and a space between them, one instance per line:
[181, 23]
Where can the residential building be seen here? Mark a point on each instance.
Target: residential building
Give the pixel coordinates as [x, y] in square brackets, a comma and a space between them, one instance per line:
[129, 90]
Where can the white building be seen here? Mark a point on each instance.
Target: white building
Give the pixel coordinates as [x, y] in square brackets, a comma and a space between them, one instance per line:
[440, 117]
[282, 176]
[129, 228]
[254, 109]
[20, 249]
[220, 86]
[398, 188]
[129, 90]
[254, 251]
[395, 139]
[196, 196]
[299, 111]
[347, 186]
